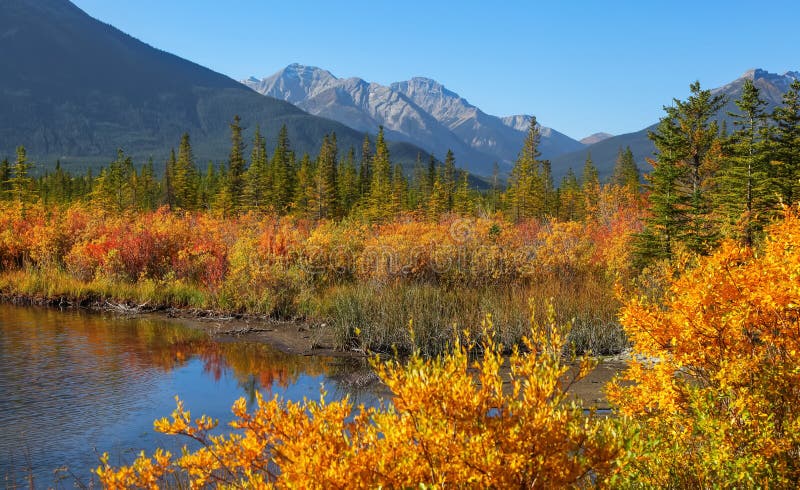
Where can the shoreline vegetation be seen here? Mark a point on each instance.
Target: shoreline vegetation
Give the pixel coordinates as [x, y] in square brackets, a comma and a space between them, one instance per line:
[373, 279]
[697, 271]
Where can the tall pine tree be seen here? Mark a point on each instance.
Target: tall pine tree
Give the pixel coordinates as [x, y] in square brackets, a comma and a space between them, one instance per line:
[785, 145]
[527, 192]
[669, 201]
[257, 182]
[234, 185]
[184, 176]
[744, 191]
[380, 189]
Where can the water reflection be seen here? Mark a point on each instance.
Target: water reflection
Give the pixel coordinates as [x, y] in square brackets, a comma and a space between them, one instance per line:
[73, 382]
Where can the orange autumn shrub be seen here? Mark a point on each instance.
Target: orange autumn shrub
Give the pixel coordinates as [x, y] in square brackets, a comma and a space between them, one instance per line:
[330, 251]
[564, 250]
[456, 251]
[452, 422]
[402, 250]
[153, 245]
[714, 384]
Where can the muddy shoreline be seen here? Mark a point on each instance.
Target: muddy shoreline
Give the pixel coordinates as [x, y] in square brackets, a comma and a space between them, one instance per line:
[295, 337]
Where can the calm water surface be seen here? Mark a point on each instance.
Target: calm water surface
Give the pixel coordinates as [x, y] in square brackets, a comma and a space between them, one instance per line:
[74, 385]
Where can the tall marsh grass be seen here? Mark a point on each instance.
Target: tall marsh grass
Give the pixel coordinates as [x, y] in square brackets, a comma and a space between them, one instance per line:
[402, 316]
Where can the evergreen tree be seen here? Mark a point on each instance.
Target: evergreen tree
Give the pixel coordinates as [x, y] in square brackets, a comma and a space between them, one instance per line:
[526, 195]
[325, 199]
[236, 167]
[785, 143]
[5, 179]
[282, 172]
[626, 173]
[399, 190]
[365, 168]
[437, 203]
[449, 178]
[114, 190]
[184, 176]
[148, 190]
[224, 201]
[695, 139]
[20, 183]
[570, 198]
[744, 190]
[547, 191]
[590, 187]
[380, 189]
[169, 171]
[669, 201]
[432, 172]
[347, 182]
[305, 189]
[257, 177]
[462, 199]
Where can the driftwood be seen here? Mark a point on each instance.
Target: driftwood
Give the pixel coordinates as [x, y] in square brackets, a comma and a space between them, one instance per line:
[127, 309]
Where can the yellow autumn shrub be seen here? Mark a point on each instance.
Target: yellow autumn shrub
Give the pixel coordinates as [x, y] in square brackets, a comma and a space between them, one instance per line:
[715, 383]
[496, 422]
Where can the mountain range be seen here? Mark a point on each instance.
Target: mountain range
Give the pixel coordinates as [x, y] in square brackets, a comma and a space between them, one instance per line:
[420, 111]
[76, 89]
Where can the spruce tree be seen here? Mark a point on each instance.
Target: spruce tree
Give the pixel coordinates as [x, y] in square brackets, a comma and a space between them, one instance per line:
[437, 202]
[148, 187]
[695, 137]
[669, 200]
[236, 167]
[527, 190]
[626, 172]
[590, 187]
[432, 171]
[785, 145]
[282, 172]
[547, 191]
[325, 202]
[184, 176]
[380, 189]
[114, 190]
[462, 200]
[449, 178]
[744, 190]
[257, 184]
[5, 179]
[169, 171]
[305, 189]
[365, 168]
[20, 183]
[399, 190]
[570, 198]
[347, 182]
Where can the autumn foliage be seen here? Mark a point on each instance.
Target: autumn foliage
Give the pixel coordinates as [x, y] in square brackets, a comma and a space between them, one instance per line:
[716, 376]
[451, 421]
[710, 399]
[242, 262]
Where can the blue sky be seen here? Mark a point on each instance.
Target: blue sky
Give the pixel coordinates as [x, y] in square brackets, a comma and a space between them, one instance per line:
[579, 66]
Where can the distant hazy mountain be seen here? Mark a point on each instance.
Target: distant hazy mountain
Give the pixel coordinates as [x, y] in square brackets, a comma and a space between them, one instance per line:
[420, 111]
[596, 138]
[771, 88]
[77, 89]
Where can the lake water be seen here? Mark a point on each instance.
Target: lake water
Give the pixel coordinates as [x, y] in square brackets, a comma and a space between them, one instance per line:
[75, 384]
